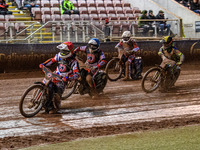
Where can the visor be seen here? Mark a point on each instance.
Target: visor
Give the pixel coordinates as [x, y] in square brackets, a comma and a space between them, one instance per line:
[126, 38]
[64, 52]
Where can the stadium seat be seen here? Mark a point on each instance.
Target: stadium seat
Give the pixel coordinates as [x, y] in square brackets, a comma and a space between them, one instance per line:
[10, 18]
[55, 4]
[112, 17]
[2, 29]
[100, 4]
[84, 17]
[45, 19]
[19, 27]
[103, 16]
[91, 3]
[45, 4]
[130, 16]
[2, 18]
[82, 4]
[83, 10]
[66, 17]
[116, 28]
[101, 10]
[94, 17]
[108, 3]
[122, 17]
[75, 17]
[55, 10]
[119, 10]
[110, 10]
[92, 10]
[117, 3]
[45, 10]
[36, 11]
[125, 4]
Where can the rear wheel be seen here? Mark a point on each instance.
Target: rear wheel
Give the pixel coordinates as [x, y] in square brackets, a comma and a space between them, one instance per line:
[114, 69]
[151, 80]
[32, 101]
[69, 89]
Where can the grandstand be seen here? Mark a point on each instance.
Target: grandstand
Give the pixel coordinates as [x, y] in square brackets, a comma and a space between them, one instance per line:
[48, 25]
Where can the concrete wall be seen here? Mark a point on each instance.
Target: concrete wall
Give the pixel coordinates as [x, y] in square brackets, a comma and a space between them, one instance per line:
[188, 16]
[150, 5]
[172, 10]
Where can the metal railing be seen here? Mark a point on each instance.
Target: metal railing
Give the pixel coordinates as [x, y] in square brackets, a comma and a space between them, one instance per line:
[82, 31]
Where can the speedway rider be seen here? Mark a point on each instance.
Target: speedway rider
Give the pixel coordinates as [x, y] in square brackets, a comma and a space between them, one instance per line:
[67, 68]
[95, 60]
[170, 55]
[126, 52]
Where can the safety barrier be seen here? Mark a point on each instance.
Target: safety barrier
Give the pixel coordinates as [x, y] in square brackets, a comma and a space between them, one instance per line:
[28, 56]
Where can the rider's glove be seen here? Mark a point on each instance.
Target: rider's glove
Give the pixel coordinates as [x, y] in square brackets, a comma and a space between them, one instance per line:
[41, 65]
[65, 79]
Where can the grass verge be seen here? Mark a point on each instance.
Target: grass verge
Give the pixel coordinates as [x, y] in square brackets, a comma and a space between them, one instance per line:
[182, 138]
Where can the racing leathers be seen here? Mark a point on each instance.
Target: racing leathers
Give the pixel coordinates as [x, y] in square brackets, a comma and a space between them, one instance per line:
[126, 53]
[175, 58]
[67, 68]
[95, 60]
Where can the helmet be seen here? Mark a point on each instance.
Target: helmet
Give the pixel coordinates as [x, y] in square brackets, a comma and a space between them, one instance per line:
[168, 43]
[93, 44]
[126, 36]
[66, 50]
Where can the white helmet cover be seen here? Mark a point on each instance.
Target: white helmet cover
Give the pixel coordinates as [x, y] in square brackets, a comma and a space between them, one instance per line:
[126, 35]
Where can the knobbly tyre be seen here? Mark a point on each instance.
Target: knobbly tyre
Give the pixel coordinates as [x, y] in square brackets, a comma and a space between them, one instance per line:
[115, 69]
[81, 87]
[36, 96]
[162, 78]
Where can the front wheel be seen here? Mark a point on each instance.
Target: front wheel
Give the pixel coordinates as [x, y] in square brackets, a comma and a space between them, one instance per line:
[151, 80]
[69, 89]
[32, 101]
[114, 69]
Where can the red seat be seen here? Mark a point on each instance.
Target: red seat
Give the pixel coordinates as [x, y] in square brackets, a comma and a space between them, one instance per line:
[10, 18]
[36, 11]
[66, 17]
[108, 3]
[83, 10]
[45, 4]
[19, 27]
[101, 10]
[100, 4]
[84, 17]
[45, 10]
[94, 17]
[2, 18]
[82, 4]
[92, 10]
[75, 17]
[117, 3]
[91, 3]
[55, 10]
[112, 17]
[103, 16]
[119, 10]
[55, 4]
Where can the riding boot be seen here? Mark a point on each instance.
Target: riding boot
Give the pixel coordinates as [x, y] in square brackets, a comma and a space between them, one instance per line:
[57, 103]
[94, 93]
[126, 74]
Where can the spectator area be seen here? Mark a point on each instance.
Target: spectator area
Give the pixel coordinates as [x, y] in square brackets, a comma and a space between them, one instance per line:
[120, 13]
[95, 11]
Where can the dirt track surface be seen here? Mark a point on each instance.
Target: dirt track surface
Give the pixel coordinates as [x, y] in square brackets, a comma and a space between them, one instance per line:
[123, 107]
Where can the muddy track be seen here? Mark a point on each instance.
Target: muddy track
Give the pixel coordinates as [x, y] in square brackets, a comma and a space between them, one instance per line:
[123, 107]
